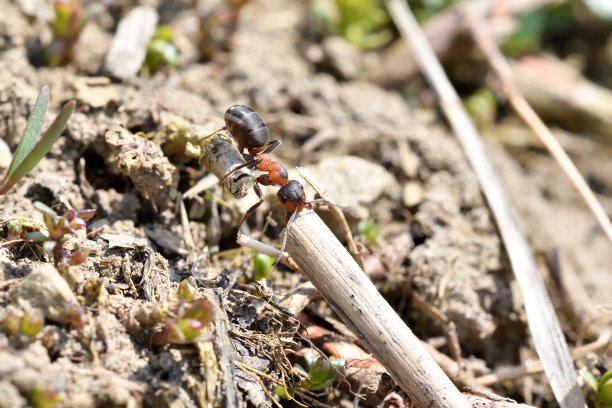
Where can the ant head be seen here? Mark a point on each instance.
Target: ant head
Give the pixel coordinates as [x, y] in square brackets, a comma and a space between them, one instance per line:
[292, 192]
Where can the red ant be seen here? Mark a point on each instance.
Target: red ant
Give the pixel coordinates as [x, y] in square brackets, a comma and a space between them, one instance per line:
[250, 131]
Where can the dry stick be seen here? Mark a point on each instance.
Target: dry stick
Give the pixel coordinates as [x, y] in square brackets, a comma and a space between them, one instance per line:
[543, 324]
[502, 68]
[334, 272]
[535, 367]
[338, 215]
[260, 247]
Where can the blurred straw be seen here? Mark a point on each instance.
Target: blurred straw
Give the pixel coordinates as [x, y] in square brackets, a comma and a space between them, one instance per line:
[502, 68]
[543, 324]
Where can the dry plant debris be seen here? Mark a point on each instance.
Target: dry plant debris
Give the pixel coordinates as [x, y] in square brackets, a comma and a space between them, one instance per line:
[84, 336]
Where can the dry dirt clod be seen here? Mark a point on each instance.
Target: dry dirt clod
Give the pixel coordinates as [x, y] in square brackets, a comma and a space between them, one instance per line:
[352, 181]
[46, 290]
[144, 162]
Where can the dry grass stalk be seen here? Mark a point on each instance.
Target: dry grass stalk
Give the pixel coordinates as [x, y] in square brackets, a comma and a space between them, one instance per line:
[545, 329]
[535, 366]
[502, 69]
[337, 276]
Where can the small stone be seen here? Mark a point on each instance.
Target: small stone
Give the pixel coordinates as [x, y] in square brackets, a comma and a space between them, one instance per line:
[5, 155]
[129, 47]
[44, 288]
[413, 194]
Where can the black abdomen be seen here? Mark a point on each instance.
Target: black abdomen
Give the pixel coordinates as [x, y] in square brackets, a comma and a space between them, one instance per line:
[246, 126]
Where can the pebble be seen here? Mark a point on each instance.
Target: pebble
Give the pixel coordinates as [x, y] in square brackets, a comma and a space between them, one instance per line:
[46, 290]
[129, 47]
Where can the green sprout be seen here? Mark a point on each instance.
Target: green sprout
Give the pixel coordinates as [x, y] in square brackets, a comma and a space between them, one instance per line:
[370, 229]
[186, 324]
[187, 289]
[29, 152]
[76, 315]
[186, 319]
[262, 265]
[160, 51]
[363, 23]
[319, 374]
[60, 229]
[66, 26]
[603, 388]
[23, 328]
[482, 107]
[44, 397]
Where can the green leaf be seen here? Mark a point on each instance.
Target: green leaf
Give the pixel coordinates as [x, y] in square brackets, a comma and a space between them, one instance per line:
[604, 389]
[45, 143]
[28, 141]
[262, 265]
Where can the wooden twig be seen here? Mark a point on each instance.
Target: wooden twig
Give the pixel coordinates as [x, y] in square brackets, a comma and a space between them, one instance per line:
[259, 246]
[445, 32]
[543, 324]
[230, 396]
[502, 69]
[338, 215]
[535, 367]
[336, 275]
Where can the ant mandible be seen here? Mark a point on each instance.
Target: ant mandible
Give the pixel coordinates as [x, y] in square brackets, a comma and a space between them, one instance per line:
[251, 133]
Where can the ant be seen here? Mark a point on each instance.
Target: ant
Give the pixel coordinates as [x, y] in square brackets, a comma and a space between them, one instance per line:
[250, 131]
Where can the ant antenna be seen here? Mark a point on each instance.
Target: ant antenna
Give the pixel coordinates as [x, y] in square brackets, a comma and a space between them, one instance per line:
[325, 201]
[282, 248]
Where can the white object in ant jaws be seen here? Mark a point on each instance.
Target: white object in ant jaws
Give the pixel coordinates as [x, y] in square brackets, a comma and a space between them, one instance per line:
[220, 156]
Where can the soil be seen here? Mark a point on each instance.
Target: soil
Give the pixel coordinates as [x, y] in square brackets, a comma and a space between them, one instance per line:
[438, 252]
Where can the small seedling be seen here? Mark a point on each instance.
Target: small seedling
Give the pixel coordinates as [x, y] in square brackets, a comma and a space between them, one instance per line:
[75, 313]
[603, 388]
[45, 397]
[319, 374]
[370, 229]
[363, 23]
[23, 328]
[187, 324]
[59, 229]
[160, 51]
[66, 26]
[187, 289]
[262, 265]
[29, 152]
[186, 318]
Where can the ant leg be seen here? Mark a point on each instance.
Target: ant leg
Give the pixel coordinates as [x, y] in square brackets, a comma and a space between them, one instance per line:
[248, 165]
[271, 146]
[250, 211]
[282, 248]
[212, 134]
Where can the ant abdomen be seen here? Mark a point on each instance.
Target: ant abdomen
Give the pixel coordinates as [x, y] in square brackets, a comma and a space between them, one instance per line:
[247, 127]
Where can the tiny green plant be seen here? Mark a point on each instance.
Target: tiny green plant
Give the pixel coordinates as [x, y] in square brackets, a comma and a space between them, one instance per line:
[66, 26]
[60, 229]
[29, 152]
[160, 51]
[602, 388]
[45, 397]
[319, 374]
[23, 328]
[187, 290]
[363, 23]
[186, 319]
[262, 265]
[370, 229]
